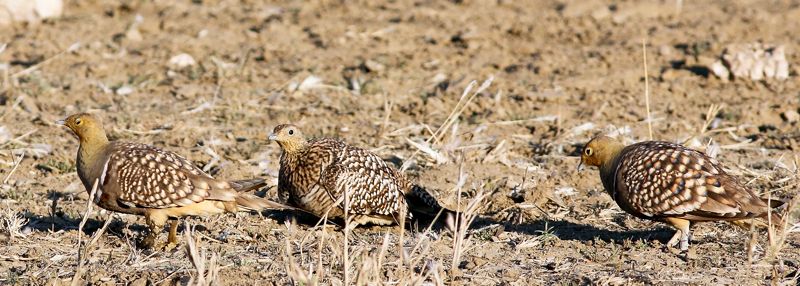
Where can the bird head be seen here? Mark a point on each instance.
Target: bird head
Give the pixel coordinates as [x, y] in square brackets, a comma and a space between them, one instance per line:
[84, 125]
[599, 151]
[288, 137]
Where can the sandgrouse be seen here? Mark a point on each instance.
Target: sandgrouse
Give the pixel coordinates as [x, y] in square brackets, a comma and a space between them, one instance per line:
[670, 183]
[315, 174]
[144, 180]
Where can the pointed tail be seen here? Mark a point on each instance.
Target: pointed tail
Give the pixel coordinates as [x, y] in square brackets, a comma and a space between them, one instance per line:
[763, 222]
[421, 201]
[256, 203]
[775, 217]
[774, 203]
[247, 185]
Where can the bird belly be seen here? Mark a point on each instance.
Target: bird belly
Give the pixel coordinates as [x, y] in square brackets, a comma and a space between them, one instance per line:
[318, 202]
[204, 208]
[372, 219]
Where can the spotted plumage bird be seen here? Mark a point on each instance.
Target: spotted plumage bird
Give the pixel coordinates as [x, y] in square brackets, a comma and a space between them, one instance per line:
[140, 179]
[670, 183]
[315, 174]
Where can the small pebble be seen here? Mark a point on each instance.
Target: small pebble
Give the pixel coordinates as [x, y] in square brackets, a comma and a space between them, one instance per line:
[124, 90]
[181, 61]
[791, 116]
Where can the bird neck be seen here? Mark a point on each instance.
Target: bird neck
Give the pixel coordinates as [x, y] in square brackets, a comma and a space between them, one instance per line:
[93, 146]
[609, 159]
[292, 147]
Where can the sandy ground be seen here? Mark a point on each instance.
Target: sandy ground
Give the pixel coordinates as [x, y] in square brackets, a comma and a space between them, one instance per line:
[380, 75]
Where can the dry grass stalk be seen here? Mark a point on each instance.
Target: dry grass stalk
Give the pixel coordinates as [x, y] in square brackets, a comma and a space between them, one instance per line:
[778, 232]
[72, 48]
[388, 105]
[703, 131]
[437, 136]
[464, 219]
[544, 118]
[295, 270]
[371, 265]
[12, 222]
[417, 257]
[89, 205]
[87, 250]
[346, 244]
[14, 169]
[84, 251]
[460, 109]
[206, 270]
[647, 89]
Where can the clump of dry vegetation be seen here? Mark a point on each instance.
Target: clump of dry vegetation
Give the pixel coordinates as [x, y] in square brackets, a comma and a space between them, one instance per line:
[11, 223]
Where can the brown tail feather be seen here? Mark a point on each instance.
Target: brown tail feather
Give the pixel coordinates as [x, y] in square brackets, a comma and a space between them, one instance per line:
[776, 218]
[746, 223]
[761, 222]
[256, 203]
[247, 185]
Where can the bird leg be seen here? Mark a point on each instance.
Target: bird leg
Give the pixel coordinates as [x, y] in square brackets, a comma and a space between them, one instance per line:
[402, 223]
[675, 239]
[155, 222]
[684, 240]
[682, 234]
[173, 230]
[172, 239]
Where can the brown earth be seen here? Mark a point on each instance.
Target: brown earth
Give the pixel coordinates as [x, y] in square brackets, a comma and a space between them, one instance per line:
[388, 73]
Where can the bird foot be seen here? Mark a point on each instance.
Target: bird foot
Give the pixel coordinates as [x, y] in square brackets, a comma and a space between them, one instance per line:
[170, 246]
[687, 253]
[148, 242]
[163, 247]
[674, 240]
[328, 227]
[690, 254]
[673, 250]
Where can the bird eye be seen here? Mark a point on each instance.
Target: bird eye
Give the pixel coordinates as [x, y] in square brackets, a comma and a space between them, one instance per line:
[588, 152]
[77, 121]
[291, 132]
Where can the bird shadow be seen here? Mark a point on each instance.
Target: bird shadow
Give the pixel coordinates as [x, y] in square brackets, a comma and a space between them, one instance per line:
[294, 216]
[63, 222]
[420, 222]
[57, 220]
[566, 230]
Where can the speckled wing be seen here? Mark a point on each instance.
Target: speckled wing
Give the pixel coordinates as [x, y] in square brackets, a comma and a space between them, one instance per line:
[373, 186]
[149, 177]
[661, 179]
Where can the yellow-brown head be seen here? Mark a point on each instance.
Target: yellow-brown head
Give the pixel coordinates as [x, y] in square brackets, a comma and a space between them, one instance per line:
[288, 137]
[86, 126]
[600, 151]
